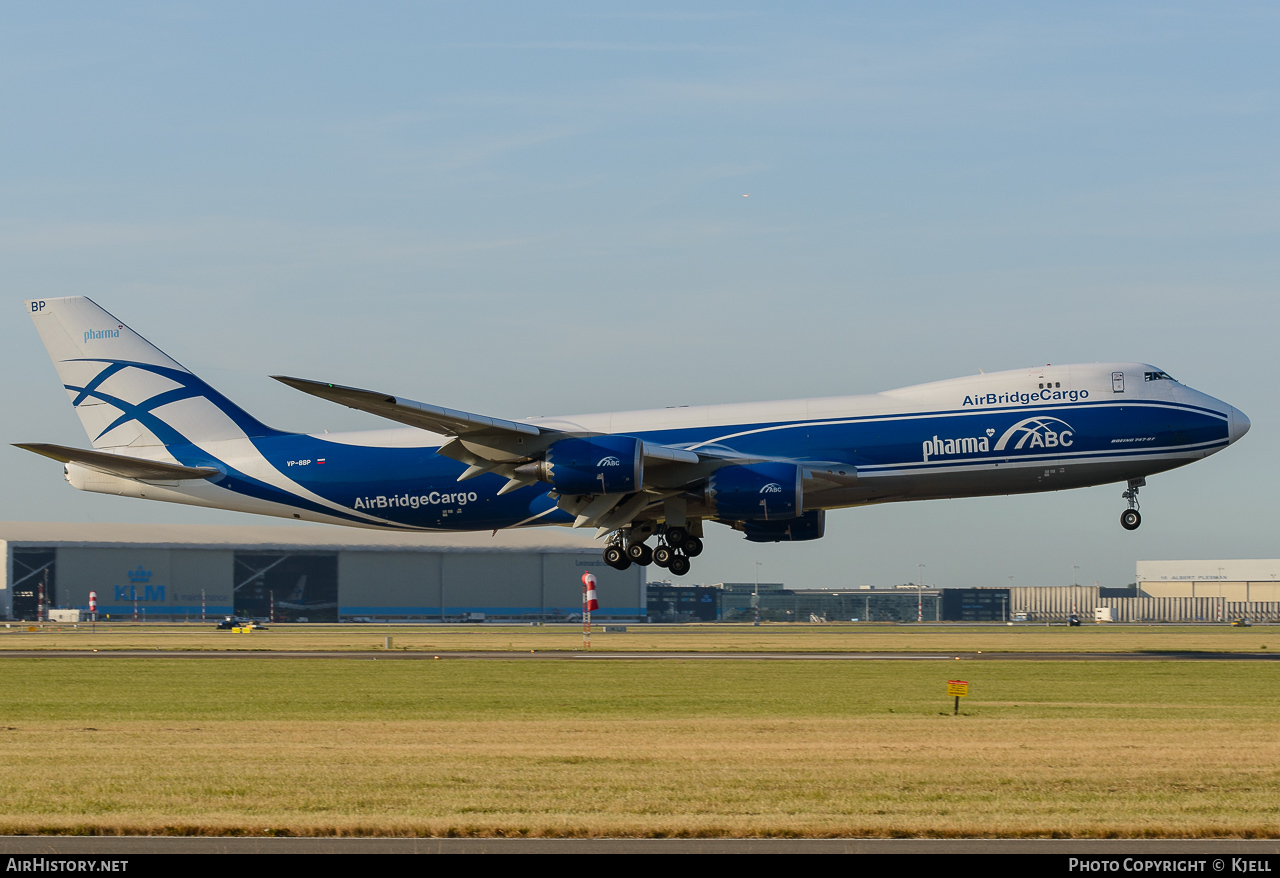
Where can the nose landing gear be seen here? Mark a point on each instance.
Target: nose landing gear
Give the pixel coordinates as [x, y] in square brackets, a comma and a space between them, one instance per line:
[1131, 518]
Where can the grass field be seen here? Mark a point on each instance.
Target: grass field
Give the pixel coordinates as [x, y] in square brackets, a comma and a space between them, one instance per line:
[785, 637]
[727, 748]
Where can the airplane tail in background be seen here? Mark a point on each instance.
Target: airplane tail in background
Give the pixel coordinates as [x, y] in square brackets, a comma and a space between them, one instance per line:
[127, 392]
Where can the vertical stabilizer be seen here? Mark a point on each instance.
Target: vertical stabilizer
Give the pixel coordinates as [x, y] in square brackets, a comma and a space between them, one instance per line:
[126, 391]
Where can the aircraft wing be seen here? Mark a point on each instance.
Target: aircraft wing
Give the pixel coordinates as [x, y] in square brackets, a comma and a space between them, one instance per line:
[484, 439]
[119, 465]
[449, 422]
[501, 447]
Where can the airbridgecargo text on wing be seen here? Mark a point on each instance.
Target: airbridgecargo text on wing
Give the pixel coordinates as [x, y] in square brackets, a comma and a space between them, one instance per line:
[1027, 398]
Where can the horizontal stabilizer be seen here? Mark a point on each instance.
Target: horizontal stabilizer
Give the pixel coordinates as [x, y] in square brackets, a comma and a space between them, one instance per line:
[118, 465]
[448, 422]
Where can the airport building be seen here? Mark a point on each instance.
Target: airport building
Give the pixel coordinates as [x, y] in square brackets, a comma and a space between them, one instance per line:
[738, 601]
[1166, 591]
[1235, 581]
[316, 574]
[778, 604]
[324, 574]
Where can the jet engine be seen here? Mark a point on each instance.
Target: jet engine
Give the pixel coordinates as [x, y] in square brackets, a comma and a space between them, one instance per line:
[811, 526]
[596, 465]
[757, 492]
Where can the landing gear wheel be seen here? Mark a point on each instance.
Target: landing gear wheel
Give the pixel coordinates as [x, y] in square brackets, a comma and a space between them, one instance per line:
[640, 554]
[679, 565]
[1131, 518]
[692, 547]
[616, 558]
[663, 556]
[676, 536]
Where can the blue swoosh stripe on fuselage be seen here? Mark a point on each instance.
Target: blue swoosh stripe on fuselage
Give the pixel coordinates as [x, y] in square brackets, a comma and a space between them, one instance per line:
[233, 479]
[879, 441]
[369, 473]
[240, 483]
[753, 429]
[876, 444]
[182, 448]
[1083, 458]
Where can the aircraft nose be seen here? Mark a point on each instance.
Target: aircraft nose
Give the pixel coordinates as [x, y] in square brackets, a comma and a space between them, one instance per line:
[1239, 424]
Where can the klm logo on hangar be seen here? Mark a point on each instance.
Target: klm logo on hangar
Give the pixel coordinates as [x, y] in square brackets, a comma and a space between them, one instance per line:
[139, 576]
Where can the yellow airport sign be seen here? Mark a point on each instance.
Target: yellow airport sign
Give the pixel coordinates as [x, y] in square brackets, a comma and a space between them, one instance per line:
[957, 688]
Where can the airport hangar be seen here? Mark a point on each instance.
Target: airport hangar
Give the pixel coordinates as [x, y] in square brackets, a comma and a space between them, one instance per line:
[324, 574]
[312, 573]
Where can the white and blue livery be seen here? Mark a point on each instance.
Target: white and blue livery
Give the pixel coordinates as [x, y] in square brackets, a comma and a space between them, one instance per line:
[768, 469]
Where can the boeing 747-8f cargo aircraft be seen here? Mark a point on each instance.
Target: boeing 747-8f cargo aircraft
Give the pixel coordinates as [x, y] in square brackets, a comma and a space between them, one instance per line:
[768, 469]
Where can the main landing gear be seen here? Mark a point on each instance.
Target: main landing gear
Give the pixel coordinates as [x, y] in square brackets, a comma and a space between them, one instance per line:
[677, 546]
[1131, 517]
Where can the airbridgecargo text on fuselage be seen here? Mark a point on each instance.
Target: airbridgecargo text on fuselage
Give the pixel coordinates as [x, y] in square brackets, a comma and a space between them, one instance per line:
[1026, 398]
[414, 501]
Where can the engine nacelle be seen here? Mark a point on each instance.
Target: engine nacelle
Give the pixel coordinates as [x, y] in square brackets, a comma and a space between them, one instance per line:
[598, 465]
[757, 492]
[811, 526]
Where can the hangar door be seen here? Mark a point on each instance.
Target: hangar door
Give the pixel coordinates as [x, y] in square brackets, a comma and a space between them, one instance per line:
[33, 571]
[287, 586]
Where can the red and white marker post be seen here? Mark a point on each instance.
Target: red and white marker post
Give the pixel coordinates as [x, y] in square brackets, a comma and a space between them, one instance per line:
[589, 603]
[93, 609]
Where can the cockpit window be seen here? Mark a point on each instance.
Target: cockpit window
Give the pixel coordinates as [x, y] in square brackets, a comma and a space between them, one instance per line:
[1157, 376]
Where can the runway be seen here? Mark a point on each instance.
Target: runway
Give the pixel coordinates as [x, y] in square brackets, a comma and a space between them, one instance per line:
[588, 655]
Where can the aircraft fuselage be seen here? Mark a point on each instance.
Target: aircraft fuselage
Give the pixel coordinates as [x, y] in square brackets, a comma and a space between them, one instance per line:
[1010, 432]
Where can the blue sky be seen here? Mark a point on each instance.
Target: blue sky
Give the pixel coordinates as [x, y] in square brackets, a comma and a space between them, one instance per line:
[524, 209]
